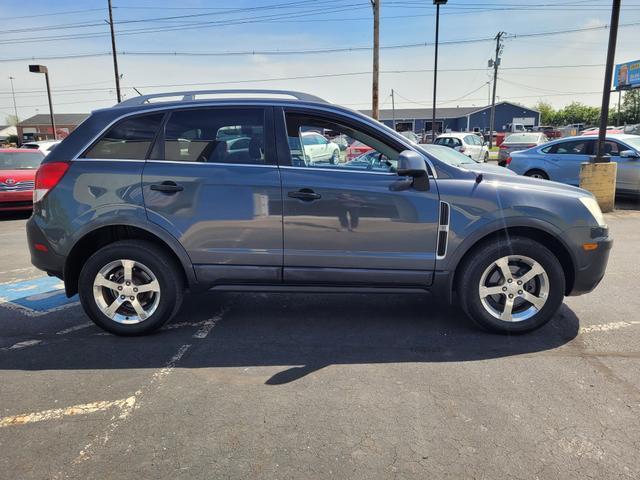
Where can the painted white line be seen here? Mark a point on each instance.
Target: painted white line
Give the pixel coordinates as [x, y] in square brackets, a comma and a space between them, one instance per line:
[75, 328]
[21, 345]
[83, 409]
[607, 327]
[105, 436]
[207, 327]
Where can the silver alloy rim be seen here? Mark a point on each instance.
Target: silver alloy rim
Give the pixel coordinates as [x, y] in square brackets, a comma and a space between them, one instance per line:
[537, 175]
[126, 291]
[514, 288]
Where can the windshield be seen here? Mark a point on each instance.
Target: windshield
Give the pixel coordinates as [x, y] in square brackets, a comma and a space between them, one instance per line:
[448, 155]
[522, 138]
[20, 160]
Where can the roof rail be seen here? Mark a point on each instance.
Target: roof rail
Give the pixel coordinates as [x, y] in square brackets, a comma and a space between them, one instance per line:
[190, 96]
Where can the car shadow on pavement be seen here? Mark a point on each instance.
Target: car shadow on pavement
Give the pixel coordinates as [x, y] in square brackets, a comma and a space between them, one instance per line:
[302, 333]
[14, 215]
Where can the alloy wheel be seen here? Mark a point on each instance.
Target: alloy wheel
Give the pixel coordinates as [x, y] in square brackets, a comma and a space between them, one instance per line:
[514, 288]
[126, 291]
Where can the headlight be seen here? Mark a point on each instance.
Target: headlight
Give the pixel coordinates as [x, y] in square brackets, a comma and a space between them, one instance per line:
[594, 210]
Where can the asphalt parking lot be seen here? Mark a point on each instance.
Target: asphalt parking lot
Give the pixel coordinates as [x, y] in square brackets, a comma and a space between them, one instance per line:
[318, 386]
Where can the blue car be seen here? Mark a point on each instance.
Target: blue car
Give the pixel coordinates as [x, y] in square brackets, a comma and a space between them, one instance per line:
[560, 160]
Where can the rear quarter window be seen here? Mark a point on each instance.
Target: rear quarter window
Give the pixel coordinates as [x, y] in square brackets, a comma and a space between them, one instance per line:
[129, 139]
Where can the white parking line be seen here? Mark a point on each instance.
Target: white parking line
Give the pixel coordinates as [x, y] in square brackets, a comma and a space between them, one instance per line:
[105, 436]
[607, 327]
[21, 345]
[207, 326]
[83, 409]
[75, 328]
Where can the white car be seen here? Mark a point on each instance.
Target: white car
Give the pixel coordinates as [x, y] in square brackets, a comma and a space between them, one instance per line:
[317, 149]
[45, 146]
[470, 144]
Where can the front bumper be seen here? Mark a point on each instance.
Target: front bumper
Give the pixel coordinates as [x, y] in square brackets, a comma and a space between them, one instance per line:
[19, 200]
[592, 266]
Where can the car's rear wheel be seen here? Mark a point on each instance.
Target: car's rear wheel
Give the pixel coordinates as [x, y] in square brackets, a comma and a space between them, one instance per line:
[335, 157]
[537, 174]
[130, 287]
[511, 286]
[486, 157]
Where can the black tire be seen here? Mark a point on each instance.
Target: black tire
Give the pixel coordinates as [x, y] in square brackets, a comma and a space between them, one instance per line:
[470, 273]
[535, 173]
[335, 157]
[165, 269]
[486, 157]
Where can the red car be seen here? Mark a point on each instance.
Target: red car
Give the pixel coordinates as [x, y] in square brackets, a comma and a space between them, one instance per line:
[17, 177]
[356, 149]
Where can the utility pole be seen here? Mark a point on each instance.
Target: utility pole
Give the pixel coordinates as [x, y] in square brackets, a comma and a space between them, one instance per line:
[435, 69]
[393, 109]
[495, 64]
[608, 75]
[113, 51]
[13, 93]
[375, 109]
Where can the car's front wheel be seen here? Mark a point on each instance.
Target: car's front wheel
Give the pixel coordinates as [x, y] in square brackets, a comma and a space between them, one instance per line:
[511, 286]
[130, 287]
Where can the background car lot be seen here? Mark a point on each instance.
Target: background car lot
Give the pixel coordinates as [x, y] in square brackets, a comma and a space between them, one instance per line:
[355, 386]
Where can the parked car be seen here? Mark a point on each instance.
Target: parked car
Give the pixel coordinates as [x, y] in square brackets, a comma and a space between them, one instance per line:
[596, 131]
[17, 175]
[468, 143]
[560, 160]
[457, 159]
[137, 221]
[632, 129]
[548, 131]
[45, 146]
[410, 135]
[519, 141]
[317, 149]
[355, 149]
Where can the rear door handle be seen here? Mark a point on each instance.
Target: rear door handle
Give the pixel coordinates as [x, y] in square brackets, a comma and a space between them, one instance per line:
[305, 194]
[167, 187]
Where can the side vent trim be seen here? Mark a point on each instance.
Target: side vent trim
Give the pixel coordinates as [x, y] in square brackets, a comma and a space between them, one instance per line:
[443, 230]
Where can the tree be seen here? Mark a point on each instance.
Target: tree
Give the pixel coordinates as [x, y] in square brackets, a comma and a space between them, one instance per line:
[548, 114]
[577, 112]
[11, 120]
[631, 106]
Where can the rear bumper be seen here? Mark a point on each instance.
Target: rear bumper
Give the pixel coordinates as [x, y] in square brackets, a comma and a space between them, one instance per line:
[48, 260]
[589, 275]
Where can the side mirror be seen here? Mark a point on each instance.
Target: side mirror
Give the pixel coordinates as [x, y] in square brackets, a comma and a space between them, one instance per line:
[629, 154]
[412, 164]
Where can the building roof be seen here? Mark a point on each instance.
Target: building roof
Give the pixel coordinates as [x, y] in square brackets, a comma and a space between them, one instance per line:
[441, 113]
[60, 118]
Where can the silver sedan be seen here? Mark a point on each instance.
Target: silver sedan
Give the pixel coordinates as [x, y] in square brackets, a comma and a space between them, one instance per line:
[519, 141]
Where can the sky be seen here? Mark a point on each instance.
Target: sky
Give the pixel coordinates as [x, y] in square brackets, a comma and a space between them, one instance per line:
[275, 43]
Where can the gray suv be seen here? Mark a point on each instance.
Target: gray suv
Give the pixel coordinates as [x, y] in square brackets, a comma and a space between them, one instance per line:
[215, 190]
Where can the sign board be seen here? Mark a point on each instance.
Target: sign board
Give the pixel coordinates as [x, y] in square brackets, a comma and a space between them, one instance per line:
[627, 76]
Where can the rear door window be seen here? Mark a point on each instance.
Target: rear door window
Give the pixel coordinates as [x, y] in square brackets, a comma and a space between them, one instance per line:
[129, 139]
[215, 135]
[572, 147]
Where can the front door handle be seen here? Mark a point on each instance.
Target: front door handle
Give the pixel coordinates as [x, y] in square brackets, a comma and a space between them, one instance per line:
[167, 187]
[305, 194]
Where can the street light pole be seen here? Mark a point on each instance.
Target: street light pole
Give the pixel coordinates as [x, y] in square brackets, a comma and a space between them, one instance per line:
[437, 3]
[13, 93]
[495, 64]
[45, 70]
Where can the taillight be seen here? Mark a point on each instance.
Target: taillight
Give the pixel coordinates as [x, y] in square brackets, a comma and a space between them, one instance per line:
[47, 177]
[531, 146]
[508, 161]
[503, 146]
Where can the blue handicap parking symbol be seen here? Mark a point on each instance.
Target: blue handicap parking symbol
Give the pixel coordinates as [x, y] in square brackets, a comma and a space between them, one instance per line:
[36, 296]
